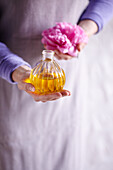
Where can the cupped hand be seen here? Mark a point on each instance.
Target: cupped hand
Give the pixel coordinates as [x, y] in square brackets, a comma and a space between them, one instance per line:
[90, 28]
[21, 75]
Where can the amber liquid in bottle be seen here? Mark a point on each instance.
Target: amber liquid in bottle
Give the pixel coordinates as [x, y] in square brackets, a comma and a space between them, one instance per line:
[47, 76]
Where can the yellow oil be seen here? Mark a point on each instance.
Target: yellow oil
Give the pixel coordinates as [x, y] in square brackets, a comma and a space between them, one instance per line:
[47, 83]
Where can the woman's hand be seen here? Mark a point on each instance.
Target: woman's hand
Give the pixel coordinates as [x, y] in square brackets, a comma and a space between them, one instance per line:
[61, 56]
[22, 73]
[90, 28]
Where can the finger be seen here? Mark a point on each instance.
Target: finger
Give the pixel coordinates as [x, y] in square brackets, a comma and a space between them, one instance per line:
[21, 73]
[65, 57]
[50, 96]
[65, 93]
[81, 46]
[58, 57]
[62, 94]
[45, 46]
[46, 97]
[28, 87]
[61, 56]
[25, 77]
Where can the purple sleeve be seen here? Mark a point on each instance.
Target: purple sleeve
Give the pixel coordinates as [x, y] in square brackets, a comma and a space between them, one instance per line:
[100, 11]
[9, 62]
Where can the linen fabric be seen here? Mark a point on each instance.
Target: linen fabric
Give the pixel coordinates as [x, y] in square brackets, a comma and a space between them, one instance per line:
[72, 133]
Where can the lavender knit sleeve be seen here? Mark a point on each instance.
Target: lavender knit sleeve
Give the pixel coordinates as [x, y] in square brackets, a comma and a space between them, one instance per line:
[9, 62]
[100, 11]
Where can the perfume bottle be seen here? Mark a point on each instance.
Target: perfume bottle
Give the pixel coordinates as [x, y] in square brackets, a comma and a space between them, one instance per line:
[47, 76]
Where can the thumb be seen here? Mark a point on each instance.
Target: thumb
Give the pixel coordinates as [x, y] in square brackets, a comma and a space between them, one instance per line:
[81, 46]
[21, 73]
[29, 87]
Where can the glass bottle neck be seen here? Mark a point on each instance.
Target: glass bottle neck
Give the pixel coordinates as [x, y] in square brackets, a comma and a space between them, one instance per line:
[48, 54]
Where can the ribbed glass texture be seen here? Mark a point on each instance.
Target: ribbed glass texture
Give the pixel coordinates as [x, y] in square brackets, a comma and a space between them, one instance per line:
[47, 76]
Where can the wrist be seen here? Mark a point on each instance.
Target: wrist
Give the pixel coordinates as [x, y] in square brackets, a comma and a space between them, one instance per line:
[89, 26]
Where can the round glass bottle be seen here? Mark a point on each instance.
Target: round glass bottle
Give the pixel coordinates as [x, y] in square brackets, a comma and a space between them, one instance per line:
[47, 76]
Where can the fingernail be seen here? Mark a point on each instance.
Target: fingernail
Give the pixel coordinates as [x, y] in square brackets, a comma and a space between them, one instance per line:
[31, 89]
[69, 93]
[56, 52]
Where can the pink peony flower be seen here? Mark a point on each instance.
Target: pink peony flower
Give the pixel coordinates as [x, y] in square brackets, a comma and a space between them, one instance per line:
[64, 37]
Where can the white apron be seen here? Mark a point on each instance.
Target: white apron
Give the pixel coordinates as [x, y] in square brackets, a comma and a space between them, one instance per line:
[72, 133]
